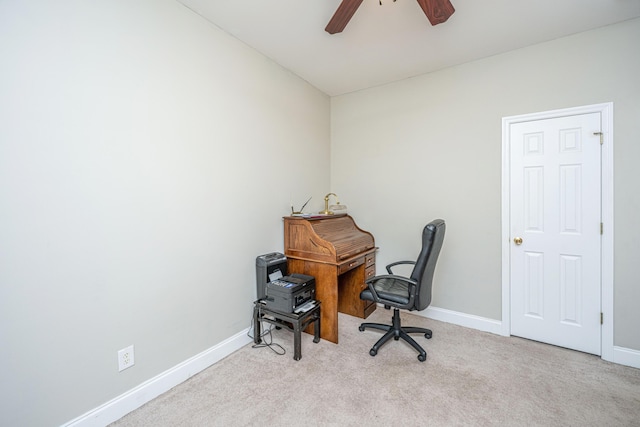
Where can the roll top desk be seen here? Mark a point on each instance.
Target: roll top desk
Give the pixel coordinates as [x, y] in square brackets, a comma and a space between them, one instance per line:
[340, 255]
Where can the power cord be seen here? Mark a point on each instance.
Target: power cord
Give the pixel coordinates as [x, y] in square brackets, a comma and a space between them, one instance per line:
[266, 332]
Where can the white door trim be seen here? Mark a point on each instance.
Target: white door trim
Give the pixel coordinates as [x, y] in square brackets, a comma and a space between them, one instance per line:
[606, 111]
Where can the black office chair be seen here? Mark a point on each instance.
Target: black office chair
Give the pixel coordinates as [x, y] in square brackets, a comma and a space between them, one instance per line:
[412, 293]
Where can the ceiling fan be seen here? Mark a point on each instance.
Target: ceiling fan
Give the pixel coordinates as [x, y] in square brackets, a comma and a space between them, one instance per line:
[438, 11]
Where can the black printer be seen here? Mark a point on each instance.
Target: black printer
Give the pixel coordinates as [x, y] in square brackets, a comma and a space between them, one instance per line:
[288, 293]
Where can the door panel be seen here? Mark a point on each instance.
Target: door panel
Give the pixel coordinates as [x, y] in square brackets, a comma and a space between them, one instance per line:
[555, 210]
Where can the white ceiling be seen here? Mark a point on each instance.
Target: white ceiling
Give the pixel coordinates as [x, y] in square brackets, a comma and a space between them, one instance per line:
[394, 41]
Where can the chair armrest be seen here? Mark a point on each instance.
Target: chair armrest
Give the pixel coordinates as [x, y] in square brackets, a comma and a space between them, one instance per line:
[412, 289]
[398, 263]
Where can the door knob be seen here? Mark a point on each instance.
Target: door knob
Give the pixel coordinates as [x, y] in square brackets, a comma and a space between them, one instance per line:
[517, 240]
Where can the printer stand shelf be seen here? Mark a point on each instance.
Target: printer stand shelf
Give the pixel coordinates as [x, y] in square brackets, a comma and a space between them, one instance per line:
[292, 321]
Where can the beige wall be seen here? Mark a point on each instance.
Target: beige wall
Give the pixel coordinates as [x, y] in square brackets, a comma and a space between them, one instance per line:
[139, 148]
[430, 147]
[141, 154]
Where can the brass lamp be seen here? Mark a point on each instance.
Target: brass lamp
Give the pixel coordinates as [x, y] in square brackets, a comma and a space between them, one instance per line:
[326, 210]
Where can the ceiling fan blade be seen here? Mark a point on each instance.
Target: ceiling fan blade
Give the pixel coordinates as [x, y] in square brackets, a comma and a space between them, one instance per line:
[342, 16]
[438, 11]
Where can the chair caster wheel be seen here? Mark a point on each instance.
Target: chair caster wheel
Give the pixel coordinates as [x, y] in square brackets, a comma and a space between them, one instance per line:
[422, 357]
[396, 338]
[428, 335]
[361, 328]
[373, 352]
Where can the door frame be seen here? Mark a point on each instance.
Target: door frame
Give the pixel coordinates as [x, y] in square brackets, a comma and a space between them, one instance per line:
[606, 174]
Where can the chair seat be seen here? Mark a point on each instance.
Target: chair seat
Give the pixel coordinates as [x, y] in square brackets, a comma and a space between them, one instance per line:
[389, 289]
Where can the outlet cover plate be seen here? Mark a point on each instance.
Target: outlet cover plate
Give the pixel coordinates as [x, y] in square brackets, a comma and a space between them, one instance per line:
[126, 358]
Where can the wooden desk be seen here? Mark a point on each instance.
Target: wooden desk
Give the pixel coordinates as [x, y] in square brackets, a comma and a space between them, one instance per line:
[340, 256]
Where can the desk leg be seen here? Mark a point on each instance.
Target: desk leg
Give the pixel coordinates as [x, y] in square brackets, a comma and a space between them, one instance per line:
[326, 292]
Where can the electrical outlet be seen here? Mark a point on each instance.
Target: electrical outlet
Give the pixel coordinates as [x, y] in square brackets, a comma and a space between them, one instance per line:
[125, 358]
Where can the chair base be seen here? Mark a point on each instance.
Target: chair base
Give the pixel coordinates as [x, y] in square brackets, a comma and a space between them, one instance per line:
[396, 331]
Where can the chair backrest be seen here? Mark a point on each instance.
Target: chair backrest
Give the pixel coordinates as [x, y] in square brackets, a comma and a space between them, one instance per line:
[432, 238]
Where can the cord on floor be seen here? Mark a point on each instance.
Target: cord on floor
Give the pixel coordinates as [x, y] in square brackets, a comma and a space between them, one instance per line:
[266, 332]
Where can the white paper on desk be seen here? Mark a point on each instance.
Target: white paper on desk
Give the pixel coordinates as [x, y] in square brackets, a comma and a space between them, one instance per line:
[275, 275]
[338, 209]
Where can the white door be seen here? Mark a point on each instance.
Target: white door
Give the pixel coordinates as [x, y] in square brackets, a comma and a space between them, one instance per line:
[555, 221]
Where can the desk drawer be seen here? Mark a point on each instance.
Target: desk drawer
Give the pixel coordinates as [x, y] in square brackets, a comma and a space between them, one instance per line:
[369, 259]
[370, 272]
[369, 308]
[343, 268]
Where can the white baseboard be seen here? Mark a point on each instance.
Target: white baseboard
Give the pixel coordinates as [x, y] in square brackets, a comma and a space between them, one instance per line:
[149, 390]
[626, 356]
[621, 355]
[462, 319]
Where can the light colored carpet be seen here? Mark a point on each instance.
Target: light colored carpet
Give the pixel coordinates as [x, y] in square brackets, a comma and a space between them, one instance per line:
[470, 378]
